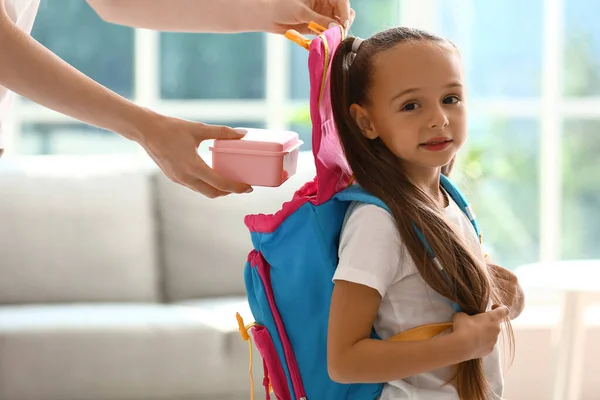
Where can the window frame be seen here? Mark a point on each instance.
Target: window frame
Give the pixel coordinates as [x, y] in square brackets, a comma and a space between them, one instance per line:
[551, 108]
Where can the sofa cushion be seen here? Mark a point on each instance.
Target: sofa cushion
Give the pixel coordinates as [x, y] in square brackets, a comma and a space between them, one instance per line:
[76, 229]
[205, 242]
[124, 351]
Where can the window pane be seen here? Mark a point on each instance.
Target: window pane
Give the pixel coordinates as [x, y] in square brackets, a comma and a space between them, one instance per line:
[73, 31]
[371, 17]
[498, 171]
[501, 44]
[299, 122]
[77, 138]
[581, 189]
[70, 138]
[374, 16]
[299, 85]
[211, 66]
[582, 48]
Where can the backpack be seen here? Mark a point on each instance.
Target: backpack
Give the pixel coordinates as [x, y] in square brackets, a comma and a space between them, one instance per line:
[288, 274]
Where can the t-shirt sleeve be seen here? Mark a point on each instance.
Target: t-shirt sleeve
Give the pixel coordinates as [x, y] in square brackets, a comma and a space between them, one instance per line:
[370, 249]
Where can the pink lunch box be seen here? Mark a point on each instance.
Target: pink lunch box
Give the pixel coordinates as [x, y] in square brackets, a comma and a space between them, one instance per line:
[261, 158]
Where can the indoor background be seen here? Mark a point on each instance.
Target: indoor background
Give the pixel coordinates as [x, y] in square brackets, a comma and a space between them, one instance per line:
[533, 72]
[530, 168]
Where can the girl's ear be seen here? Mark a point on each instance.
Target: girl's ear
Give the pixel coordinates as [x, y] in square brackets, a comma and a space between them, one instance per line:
[363, 121]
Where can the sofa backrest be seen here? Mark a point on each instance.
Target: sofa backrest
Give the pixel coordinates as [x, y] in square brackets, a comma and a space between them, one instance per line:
[205, 243]
[77, 229]
[108, 228]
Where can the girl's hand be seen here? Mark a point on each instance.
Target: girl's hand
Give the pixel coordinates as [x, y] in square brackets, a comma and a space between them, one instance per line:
[479, 333]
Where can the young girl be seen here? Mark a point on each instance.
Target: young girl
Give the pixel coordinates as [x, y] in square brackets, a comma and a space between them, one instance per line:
[399, 106]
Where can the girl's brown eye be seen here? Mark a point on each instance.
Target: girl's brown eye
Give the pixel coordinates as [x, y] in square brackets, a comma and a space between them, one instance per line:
[410, 107]
[451, 100]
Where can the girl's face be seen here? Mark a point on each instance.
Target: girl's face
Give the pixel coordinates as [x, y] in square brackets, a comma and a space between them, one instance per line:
[416, 103]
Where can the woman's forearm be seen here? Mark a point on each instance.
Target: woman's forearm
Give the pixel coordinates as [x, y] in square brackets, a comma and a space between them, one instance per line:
[372, 360]
[219, 16]
[34, 72]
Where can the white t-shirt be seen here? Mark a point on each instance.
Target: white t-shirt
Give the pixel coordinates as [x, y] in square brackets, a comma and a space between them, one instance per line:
[371, 253]
[22, 13]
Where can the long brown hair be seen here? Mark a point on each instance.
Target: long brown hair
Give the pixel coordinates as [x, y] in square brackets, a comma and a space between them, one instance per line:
[375, 167]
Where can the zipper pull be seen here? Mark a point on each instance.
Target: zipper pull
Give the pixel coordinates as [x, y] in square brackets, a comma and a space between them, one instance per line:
[298, 38]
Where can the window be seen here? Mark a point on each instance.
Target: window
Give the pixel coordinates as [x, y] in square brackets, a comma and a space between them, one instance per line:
[533, 72]
[70, 138]
[581, 189]
[580, 135]
[500, 43]
[582, 46]
[498, 170]
[208, 66]
[104, 52]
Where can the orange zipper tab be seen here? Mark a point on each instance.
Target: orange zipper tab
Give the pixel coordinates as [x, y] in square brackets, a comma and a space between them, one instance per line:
[316, 28]
[297, 38]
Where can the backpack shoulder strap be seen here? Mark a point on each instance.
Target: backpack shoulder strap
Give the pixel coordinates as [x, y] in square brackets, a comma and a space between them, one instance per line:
[460, 199]
[356, 193]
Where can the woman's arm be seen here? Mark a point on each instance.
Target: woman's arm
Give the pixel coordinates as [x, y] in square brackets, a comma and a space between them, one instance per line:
[224, 16]
[353, 357]
[31, 70]
[219, 16]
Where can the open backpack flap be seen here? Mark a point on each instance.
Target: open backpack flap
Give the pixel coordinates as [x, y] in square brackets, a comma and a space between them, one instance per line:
[288, 274]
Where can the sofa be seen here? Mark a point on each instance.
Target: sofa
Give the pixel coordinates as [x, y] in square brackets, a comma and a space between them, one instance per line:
[118, 284]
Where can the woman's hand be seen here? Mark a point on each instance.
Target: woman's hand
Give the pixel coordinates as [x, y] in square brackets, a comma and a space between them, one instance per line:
[297, 14]
[172, 143]
[479, 333]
